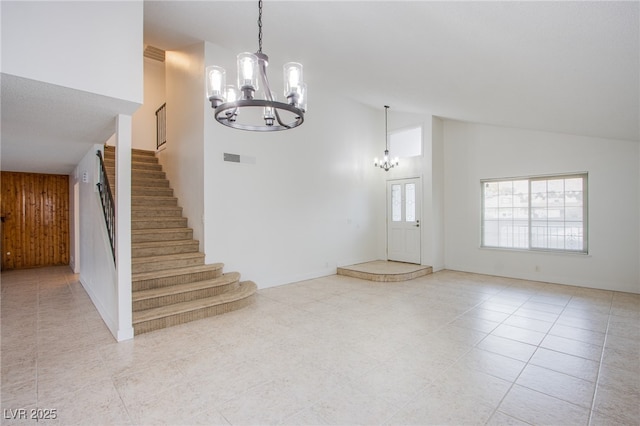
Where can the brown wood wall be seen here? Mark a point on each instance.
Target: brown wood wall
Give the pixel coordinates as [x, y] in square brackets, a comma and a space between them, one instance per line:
[35, 230]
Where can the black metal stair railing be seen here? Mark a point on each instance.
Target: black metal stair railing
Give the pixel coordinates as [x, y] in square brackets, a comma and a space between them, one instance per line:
[108, 206]
[161, 126]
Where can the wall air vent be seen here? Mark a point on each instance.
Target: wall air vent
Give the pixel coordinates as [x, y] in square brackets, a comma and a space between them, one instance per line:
[154, 53]
[237, 158]
[232, 158]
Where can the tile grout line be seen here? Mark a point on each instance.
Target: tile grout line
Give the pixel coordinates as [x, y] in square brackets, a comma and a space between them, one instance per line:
[37, 343]
[583, 303]
[595, 389]
[538, 347]
[496, 409]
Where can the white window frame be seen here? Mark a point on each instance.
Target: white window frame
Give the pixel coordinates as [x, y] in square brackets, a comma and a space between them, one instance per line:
[529, 213]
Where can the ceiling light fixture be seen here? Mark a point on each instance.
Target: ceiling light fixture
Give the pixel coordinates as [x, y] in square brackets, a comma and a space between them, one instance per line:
[386, 163]
[261, 115]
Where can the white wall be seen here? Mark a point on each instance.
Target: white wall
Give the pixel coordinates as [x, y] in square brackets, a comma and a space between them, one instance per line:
[123, 128]
[74, 222]
[108, 287]
[91, 46]
[144, 119]
[308, 204]
[311, 202]
[473, 152]
[183, 157]
[97, 270]
[437, 239]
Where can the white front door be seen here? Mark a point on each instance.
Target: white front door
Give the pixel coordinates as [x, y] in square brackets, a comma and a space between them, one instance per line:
[404, 202]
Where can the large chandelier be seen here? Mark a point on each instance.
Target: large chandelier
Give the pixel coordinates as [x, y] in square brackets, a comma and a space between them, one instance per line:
[387, 162]
[238, 107]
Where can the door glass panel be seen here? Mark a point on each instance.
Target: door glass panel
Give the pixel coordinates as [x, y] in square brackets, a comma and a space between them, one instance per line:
[396, 203]
[410, 202]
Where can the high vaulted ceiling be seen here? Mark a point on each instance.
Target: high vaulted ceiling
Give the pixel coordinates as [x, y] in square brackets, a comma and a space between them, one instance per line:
[570, 67]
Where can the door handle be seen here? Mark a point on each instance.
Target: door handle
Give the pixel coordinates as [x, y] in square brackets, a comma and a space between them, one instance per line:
[417, 224]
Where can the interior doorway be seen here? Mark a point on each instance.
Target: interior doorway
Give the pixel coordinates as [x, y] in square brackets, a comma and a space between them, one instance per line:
[404, 210]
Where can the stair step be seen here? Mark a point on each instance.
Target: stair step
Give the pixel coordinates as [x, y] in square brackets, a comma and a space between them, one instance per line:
[168, 234]
[179, 313]
[143, 152]
[170, 282]
[158, 222]
[164, 262]
[141, 165]
[135, 164]
[136, 159]
[149, 182]
[151, 191]
[159, 248]
[138, 212]
[157, 279]
[157, 297]
[110, 149]
[145, 200]
[144, 158]
[139, 174]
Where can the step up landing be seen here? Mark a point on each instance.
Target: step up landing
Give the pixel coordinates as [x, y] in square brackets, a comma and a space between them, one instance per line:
[385, 271]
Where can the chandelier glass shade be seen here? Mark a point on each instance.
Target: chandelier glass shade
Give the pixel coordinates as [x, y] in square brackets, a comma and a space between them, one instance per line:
[239, 108]
[387, 162]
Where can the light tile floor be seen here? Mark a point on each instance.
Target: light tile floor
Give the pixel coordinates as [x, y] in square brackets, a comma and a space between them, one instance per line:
[449, 348]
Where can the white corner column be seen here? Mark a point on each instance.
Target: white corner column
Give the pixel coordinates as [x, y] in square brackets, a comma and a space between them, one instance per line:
[123, 226]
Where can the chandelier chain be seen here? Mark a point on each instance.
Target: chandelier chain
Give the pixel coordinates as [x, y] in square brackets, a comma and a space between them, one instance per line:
[386, 131]
[260, 26]
[228, 101]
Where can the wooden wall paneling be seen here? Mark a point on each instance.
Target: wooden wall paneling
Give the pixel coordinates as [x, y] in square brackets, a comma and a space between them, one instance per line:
[36, 226]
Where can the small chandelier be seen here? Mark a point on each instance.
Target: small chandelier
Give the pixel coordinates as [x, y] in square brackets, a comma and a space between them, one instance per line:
[387, 162]
[237, 107]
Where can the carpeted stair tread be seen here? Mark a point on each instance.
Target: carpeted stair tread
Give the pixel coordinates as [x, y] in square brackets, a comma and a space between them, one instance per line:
[150, 182]
[171, 284]
[167, 261]
[145, 165]
[159, 230]
[148, 244]
[135, 164]
[161, 217]
[141, 276]
[165, 258]
[156, 174]
[134, 151]
[138, 212]
[152, 198]
[223, 280]
[246, 289]
[155, 222]
[163, 191]
[155, 248]
[161, 234]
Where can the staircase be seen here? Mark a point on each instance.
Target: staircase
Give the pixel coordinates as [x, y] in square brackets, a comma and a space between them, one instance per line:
[170, 282]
